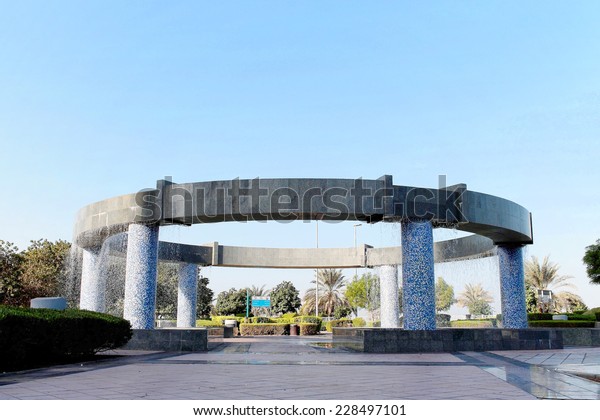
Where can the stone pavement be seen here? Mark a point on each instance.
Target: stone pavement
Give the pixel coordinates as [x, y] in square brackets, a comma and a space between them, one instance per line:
[304, 368]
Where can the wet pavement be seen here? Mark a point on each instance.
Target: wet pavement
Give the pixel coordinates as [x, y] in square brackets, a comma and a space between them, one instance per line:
[305, 368]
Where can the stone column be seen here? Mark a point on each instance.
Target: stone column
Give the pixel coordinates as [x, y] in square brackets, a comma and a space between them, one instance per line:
[93, 283]
[187, 296]
[418, 282]
[388, 283]
[512, 287]
[140, 276]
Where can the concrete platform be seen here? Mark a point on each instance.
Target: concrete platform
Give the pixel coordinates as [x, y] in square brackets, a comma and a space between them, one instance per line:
[306, 368]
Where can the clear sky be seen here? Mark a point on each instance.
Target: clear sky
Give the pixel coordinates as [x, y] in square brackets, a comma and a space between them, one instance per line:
[102, 98]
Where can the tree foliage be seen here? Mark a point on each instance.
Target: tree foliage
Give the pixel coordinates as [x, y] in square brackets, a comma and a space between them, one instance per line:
[42, 266]
[10, 273]
[205, 297]
[444, 295]
[545, 276]
[591, 259]
[166, 290]
[476, 300]
[363, 292]
[285, 298]
[330, 283]
[231, 302]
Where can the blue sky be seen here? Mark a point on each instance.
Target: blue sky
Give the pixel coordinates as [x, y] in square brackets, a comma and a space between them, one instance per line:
[103, 98]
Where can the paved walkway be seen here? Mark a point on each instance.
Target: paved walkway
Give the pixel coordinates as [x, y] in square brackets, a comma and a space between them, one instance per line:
[304, 368]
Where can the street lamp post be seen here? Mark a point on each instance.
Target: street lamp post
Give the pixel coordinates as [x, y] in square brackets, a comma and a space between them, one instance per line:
[355, 226]
[317, 279]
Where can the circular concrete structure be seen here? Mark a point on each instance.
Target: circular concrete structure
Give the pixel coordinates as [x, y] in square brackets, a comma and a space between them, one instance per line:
[496, 222]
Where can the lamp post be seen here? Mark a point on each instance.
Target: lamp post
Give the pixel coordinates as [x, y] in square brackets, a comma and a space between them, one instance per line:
[317, 279]
[355, 226]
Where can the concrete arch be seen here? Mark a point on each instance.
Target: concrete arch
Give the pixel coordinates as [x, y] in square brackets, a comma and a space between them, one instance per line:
[494, 221]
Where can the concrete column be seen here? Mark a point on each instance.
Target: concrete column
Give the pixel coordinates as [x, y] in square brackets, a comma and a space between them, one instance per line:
[512, 287]
[418, 282]
[187, 295]
[388, 283]
[93, 283]
[140, 276]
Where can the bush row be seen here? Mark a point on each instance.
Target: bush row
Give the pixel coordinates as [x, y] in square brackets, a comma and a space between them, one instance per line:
[473, 323]
[344, 322]
[265, 329]
[571, 317]
[561, 324]
[32, 337]
[307, 328]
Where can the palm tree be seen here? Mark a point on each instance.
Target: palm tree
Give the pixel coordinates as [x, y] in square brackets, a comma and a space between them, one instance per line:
[545, 276]
[476, 299]
[259, 290]
[331, 285]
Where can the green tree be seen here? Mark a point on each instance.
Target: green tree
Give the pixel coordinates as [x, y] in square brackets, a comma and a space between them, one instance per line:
[231, 302]
[363, 292]
[42, 268]
[285, 298]
[444, 295]
[545, 276]
[331, 284]
[166, 290]
[530, 298]
[10, 273]
[204, 299]
[476, 299]
[591, 259]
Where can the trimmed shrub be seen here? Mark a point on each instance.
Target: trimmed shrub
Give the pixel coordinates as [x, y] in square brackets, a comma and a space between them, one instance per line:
[221, 319]
[473, 323]
[561, 324]
[374, 324]
[33, 337]
[442, 320]
[580, 317]
[308, 319]
[307, 328]
[264, 329]
[261, 320]
[539, 317]
[289, 316]
[329, 325]
[358, 322]
[208, 323]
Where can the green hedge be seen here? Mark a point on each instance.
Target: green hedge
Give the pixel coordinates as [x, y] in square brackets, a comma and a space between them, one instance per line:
[208, 323]
[572, 317]
[261, 320]
[473, 323]
[221, 319]
[307, 328]
[308, 319]
[561, 324]
[358, 322]
[265, 329]
[539, 317]
[34, 337]
[344, 322]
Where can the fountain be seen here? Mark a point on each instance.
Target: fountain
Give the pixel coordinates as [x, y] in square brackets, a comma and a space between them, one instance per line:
[495, 222]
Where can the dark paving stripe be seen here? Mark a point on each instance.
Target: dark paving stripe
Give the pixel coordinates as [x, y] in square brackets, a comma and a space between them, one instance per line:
[541, 382]
[295, 363]
[65, 370]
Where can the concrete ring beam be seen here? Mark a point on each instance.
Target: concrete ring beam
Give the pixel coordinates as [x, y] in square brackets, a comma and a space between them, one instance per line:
[497, 224]
[501, 220]
[215, 254]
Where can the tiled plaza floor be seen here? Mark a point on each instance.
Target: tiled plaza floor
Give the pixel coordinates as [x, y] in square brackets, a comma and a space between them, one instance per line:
[298, 368]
